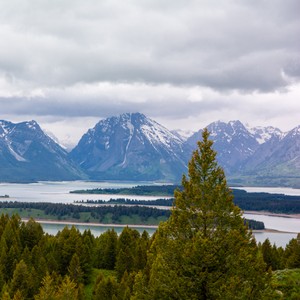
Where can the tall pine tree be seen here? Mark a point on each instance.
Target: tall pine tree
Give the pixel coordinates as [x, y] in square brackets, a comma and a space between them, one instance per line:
[204, 250]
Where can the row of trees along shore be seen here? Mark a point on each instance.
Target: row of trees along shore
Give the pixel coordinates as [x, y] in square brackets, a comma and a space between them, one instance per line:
[203, 251]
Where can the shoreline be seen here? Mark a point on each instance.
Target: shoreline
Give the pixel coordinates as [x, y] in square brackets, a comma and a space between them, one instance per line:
[267, 213]
[272, 231]
[93, 224]
[66, 222]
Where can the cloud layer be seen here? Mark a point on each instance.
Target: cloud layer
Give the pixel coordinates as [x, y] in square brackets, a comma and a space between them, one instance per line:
[173, 60]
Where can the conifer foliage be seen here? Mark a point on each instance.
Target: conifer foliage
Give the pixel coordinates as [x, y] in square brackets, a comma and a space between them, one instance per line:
[204, 251]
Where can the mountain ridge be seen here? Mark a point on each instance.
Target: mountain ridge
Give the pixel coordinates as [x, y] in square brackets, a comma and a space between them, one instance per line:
[134, 147]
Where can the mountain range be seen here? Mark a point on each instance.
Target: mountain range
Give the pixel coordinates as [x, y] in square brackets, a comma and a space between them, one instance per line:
[133, 147]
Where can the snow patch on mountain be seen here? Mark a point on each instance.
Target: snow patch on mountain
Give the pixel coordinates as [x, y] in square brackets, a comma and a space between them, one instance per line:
[264, 134]
[15, 154]
[131, 131]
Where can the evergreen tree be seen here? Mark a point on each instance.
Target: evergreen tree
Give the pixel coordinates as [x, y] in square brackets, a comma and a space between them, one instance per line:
[22, 281]
[75, 271]
[31, 233]
[47, 291]
[292, 253]
[18, 296]
[267, 252]
[67, 242]
[106, 250]
[141, 252]
[272, 255]
[84, 253]
[204, 250]
[67, 290]
[127, 247]
[5, 293]
[106, 289]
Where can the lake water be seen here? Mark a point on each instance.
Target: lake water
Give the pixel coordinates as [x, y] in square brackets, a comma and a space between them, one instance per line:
[278, 238]
[58, 192]
[271, 190]
[95, 230]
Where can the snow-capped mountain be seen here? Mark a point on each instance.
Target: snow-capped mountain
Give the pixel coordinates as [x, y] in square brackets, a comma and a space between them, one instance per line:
[183, 134]
[255, 156]
[278, 157]
[232, 141]
[133, 147]
[263, 134]
[28, 154]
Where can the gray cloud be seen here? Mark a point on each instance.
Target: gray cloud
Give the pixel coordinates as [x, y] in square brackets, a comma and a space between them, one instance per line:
[226, 45]
[186, 63]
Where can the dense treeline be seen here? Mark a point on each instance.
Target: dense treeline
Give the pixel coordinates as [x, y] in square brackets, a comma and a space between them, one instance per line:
[146, 215]
[146, 190]
[276, 203]
[35, 265]
[99, 213]
[156, 202]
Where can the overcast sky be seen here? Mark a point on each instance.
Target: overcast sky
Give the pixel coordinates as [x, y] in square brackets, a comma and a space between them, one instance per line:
[69, 63]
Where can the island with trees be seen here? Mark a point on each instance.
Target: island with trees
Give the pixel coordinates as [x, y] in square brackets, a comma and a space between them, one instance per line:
[254, 201]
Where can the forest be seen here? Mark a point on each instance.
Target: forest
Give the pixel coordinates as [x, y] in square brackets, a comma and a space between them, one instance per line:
[116, 214]
[74, 265]
[204, 250]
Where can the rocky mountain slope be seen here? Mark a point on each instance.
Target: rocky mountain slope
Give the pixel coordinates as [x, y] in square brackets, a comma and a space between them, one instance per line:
[28, 154]
[131, 147]
[256, 156]
[277, 159]
[232, 141]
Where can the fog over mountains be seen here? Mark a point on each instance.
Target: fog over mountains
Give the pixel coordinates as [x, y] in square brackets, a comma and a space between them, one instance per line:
[134, 147]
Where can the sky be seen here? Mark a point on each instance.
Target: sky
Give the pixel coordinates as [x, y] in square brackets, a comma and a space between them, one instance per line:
[185, 63]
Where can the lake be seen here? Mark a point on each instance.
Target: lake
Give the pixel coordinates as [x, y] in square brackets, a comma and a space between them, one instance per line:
[271, 190]
[58, 192]
[278, 238]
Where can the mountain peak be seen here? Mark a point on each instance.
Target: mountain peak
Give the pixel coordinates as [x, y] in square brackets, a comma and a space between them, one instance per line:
[28, 154]
[295, 132]
[264, 134]
[130, 146]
